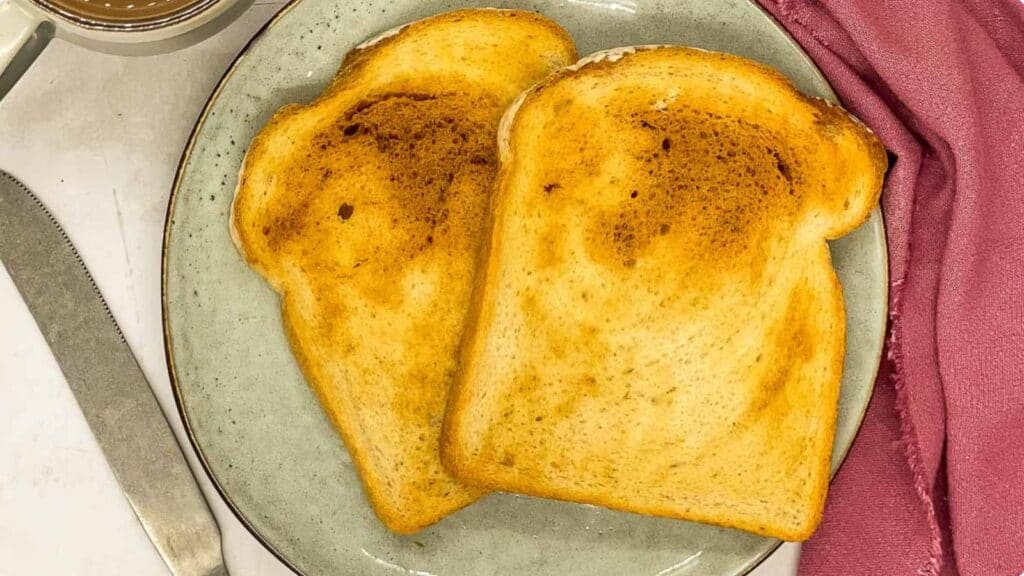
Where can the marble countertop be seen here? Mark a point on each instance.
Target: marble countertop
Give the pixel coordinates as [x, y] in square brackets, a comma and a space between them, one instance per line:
[97, 138]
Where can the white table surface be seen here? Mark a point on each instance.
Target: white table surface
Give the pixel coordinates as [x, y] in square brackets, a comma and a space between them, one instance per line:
[97, 138]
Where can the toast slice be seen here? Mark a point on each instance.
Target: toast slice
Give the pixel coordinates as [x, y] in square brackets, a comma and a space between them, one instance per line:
[658, 327]
[365, 211]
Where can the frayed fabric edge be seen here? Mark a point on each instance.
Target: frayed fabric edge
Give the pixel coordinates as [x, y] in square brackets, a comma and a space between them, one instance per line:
[908, 433]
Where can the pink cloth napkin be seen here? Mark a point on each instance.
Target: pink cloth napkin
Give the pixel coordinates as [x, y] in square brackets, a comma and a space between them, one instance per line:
[934, 483]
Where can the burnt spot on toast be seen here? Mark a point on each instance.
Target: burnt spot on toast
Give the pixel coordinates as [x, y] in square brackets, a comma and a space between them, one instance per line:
[406, 174]
[698, 181]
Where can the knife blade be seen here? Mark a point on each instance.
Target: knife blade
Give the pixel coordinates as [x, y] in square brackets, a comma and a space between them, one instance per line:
[108, 384]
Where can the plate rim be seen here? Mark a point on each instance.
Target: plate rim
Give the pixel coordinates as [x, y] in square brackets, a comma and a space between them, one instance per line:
[878, 232]
[179, 401]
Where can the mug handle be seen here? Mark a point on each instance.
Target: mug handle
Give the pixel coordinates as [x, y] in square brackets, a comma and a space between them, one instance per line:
[23, 35]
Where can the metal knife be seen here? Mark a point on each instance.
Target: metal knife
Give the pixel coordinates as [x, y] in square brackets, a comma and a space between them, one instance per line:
[111, 389]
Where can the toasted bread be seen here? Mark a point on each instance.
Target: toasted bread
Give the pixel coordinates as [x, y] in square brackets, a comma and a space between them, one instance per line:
[658, 327]
[365, 210]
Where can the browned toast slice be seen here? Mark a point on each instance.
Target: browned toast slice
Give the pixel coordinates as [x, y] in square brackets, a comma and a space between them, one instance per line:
[365, 210]
[658, 327]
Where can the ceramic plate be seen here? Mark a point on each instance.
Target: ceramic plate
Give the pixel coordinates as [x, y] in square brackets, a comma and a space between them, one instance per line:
[257, 427]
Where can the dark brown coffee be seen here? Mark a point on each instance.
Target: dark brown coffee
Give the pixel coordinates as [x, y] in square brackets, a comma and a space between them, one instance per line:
[125, 13]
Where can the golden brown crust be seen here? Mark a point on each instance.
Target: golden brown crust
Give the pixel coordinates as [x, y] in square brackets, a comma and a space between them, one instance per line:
[363, 209]
[626, 208]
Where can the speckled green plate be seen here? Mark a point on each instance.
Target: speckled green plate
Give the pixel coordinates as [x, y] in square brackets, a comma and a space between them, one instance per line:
[259, 430]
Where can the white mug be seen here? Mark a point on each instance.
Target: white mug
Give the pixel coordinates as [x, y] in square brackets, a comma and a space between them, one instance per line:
[26, 26]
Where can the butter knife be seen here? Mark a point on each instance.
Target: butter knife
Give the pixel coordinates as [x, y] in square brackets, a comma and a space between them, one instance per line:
[108, 384]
